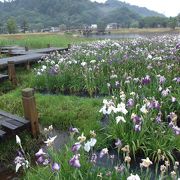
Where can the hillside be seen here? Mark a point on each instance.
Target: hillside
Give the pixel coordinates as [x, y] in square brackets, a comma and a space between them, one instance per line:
[73, 13]
[142, 11]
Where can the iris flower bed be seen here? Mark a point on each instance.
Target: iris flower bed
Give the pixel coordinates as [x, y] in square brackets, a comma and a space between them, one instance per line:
[139, 80]
[80, 160]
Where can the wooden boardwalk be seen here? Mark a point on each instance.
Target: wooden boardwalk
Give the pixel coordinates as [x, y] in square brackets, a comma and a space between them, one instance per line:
[22, 51]
[21, 56]
[34, 57]
[3, 77]
[11, 125]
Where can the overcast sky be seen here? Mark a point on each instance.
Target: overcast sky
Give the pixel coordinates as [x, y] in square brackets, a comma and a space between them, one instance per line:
[167, 7]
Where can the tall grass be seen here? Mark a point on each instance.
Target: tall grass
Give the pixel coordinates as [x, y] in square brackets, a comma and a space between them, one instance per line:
[39, 40]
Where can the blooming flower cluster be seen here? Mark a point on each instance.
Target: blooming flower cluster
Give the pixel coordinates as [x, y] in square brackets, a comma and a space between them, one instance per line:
[139, 80]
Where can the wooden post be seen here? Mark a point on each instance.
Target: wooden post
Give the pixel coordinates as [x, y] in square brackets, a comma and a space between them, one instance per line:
[30, 111]
[26, 48]
[0, 51]
[28, 67]
[12, 72]
[9, 52]
[48, 45]
[69, 46]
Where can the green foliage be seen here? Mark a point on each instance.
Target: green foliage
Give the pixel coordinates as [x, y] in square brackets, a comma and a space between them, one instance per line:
[153, 22]
[123, 17]
[11, 26]
[172, 22]
[40, 40]
[61, 111]
[72, 13]
[24, 25]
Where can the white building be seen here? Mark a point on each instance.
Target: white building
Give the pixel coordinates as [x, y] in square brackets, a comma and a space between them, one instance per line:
[93, 26]
[112, 26]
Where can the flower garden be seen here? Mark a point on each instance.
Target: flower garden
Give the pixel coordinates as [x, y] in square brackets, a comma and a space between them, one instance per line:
[137, 135]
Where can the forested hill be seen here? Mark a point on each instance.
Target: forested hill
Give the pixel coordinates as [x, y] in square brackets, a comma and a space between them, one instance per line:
[44, 13]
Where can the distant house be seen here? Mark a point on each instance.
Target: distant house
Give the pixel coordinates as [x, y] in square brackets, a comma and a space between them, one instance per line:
[112, 26]
[45, 30]
[54, 29]
[93, 26]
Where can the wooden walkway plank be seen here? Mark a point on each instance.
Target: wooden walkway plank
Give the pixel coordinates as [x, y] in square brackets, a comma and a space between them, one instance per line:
[3, 77]
[14, 122]
[11, 125]
[2, 134]
[14, 52]
[21, 59]
[21, 56]
[47, 50]
[15, 117]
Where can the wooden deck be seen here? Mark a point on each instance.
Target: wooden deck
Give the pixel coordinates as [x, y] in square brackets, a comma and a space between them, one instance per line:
[3, 77]
[34, 57]
[22, 51]
[20, 56]
[11, 125]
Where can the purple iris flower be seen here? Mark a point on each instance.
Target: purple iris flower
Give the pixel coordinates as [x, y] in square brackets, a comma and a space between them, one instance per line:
[154, 105]
[137, 127]
[176, 130]
[130, 103]
[158, 119]
[178, 46]
[177, 79]
[118, 143]
[103, 152]
[46, 162]
[53, 71]
[76, 147]
[162, 79]
[74, 161]
[55, 167]
[146, 80]
[73, 130]
[20, 153]
[137, 119]
[40, 153]
[40, 160]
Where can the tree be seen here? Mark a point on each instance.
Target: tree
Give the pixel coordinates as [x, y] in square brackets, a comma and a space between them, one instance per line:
[1, 27]
[178, 19]
[24, 25]
[62, 27]
[101, 27]
[172, 22]
[11, 26]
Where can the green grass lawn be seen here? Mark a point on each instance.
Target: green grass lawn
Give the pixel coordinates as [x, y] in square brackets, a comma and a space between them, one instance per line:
[39, 40]
[59, 110]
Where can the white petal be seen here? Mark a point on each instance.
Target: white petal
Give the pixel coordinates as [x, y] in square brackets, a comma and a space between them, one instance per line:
[92, 142]
[18, 140]
[87, 147]
[18, 165]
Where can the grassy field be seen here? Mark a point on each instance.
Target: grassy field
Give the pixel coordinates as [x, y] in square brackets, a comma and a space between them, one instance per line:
[39, 40]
